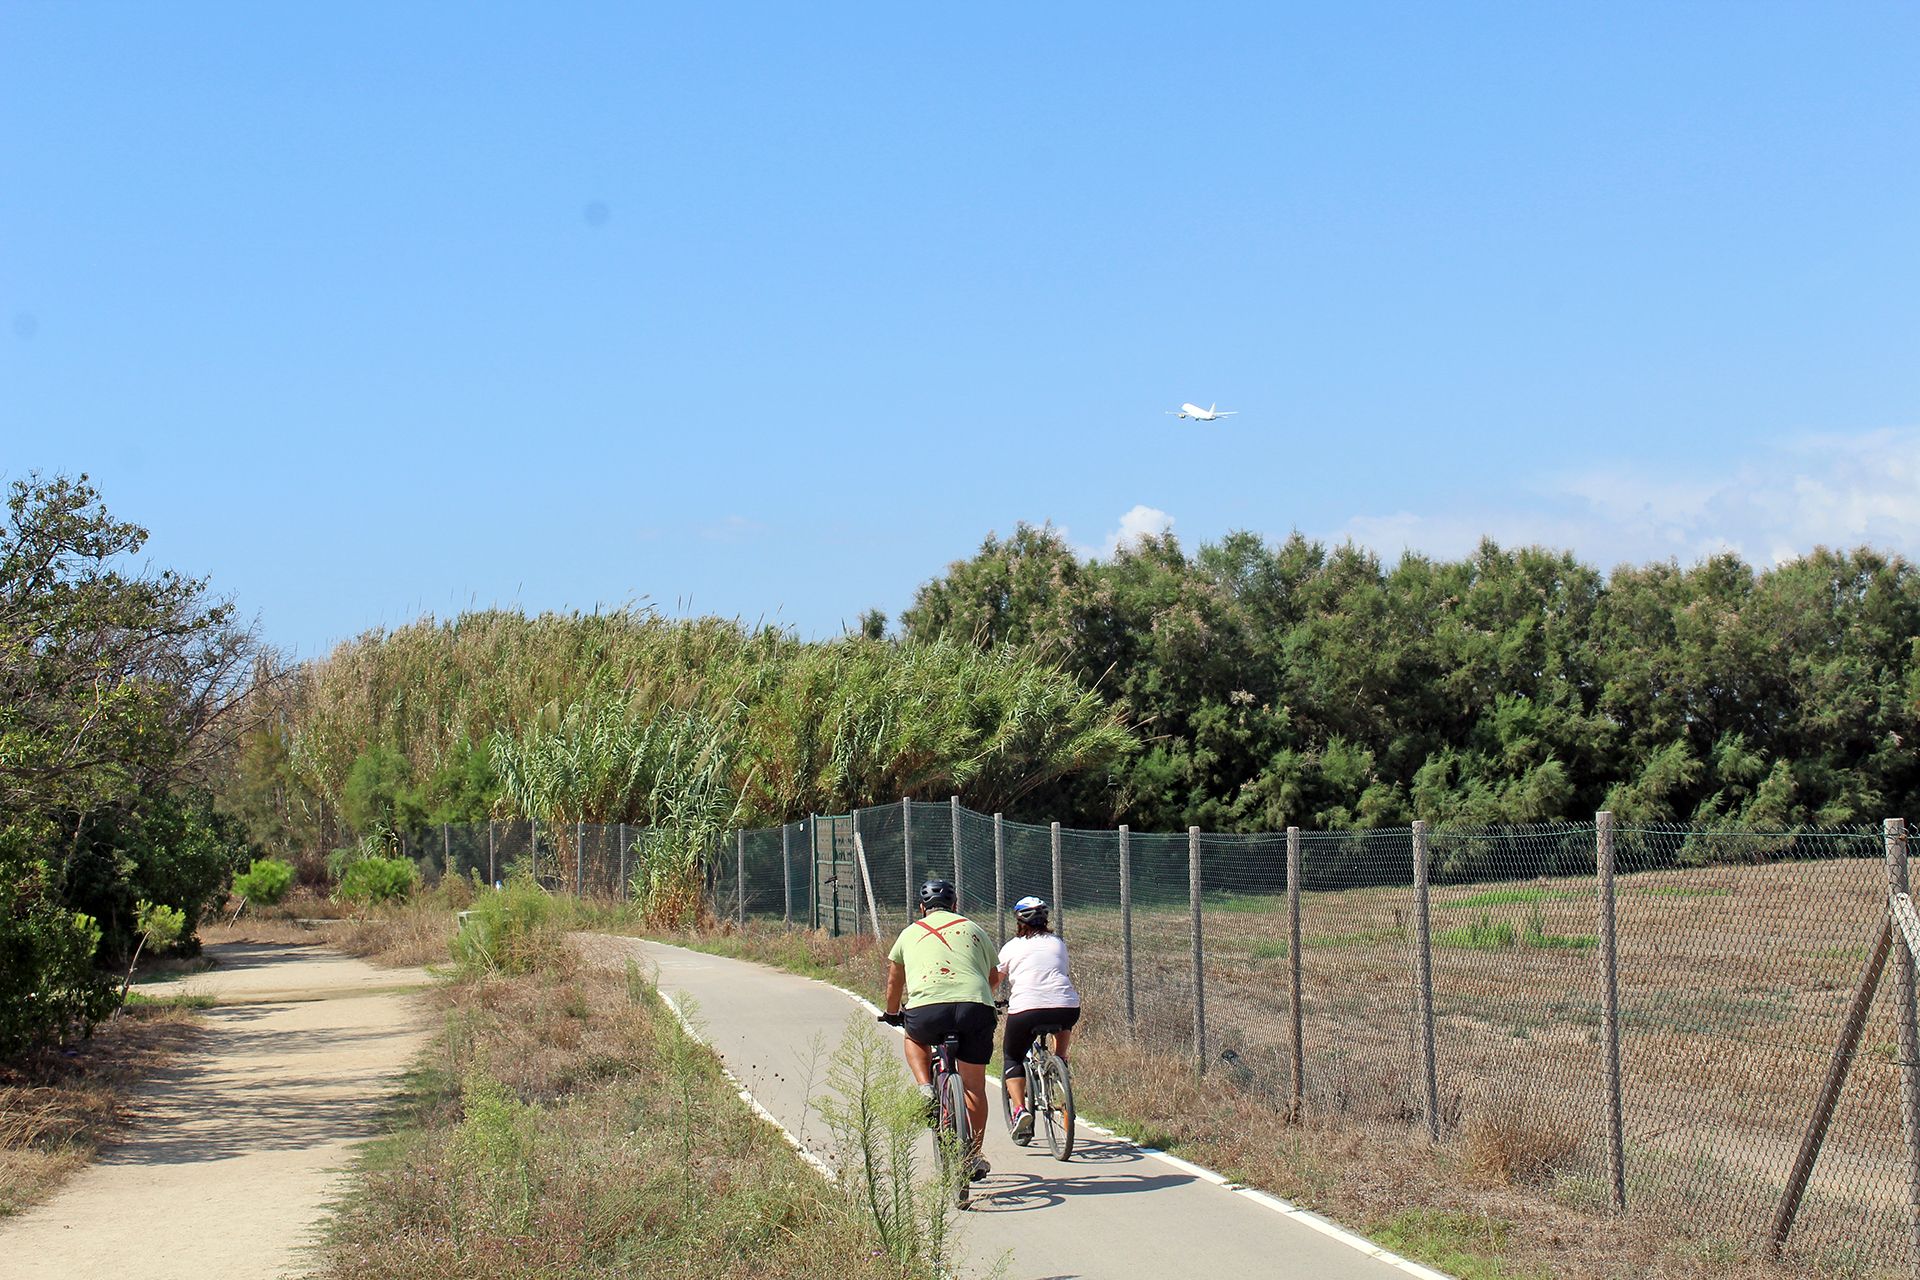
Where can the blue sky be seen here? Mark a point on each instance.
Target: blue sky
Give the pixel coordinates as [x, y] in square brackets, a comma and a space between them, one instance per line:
[372, 310]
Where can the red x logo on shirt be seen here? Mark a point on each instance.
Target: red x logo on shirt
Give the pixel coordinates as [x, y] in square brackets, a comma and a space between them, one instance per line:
[941, 932]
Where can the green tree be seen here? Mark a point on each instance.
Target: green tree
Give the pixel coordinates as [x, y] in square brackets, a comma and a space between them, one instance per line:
[116, 696]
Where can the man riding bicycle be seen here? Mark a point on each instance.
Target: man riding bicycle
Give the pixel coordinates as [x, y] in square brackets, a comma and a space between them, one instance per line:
[942, 966]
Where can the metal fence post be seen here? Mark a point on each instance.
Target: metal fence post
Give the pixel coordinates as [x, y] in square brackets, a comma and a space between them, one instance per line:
[1059, 887]
[533, 849]
[1199, 968]
[1610, 1010]
[446, 850]
[740, 876]
[866, 879]
[786, 874]
[906, 850]
[959, 877]
[1895, 830]
[493, 870]
[1423, 936]
[1296, 1103]
[999, 880]
[1837, 1067]
[579, 859]
[1126, 921]
[623, 890]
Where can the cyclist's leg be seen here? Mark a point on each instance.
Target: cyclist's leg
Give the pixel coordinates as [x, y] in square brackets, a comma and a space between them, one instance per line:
[919, 1061]
[973, 1029]
[974, 1076]
[1018, 1038]
[1064, 1019]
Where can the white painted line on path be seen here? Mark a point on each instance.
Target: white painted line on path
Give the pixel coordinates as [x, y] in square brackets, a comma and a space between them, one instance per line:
[746, 1095]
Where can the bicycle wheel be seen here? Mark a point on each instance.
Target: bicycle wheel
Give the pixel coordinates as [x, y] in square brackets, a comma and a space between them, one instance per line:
[1058, 1114]
[957, 1143]
[1006, 1103]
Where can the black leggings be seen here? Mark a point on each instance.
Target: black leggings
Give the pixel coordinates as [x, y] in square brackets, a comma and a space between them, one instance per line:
[1021, 1031]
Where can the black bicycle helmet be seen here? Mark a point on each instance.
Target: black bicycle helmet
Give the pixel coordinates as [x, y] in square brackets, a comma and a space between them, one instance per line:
[938, 895]
[1030, 911]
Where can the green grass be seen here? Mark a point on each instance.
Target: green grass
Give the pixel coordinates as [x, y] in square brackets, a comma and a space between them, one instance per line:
[188, 1001]
[1508, 897]
[1269, 949]
[1482, 935]
[1488, 934]
[1463, 1245]
[1540, 938]
[1247, 904]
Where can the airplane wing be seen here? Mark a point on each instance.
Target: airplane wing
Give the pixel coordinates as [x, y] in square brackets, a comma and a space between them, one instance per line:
[1225, 413]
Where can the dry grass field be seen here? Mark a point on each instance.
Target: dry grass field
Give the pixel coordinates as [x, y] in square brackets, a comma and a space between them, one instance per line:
[1733, 982]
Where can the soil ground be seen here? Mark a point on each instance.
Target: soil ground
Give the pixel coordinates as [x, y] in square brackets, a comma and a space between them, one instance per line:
[234, 1152]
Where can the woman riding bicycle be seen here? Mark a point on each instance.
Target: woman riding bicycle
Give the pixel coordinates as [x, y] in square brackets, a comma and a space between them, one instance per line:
[1040, 994]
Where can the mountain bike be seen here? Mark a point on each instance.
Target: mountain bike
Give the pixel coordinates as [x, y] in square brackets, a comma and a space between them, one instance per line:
[1049, 1093]
[952, 1127]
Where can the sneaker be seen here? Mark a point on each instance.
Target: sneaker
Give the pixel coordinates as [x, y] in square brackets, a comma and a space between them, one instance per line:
[978, 1169]
[1023, 1126]
[933, 1103]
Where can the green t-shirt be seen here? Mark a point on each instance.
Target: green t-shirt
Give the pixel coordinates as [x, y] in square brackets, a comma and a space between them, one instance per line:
[947, 958]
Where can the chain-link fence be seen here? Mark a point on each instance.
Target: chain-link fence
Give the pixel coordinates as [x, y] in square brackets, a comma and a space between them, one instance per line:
[1690, 1024]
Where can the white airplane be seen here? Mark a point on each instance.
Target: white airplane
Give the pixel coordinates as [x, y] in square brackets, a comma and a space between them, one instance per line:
[1208, 414]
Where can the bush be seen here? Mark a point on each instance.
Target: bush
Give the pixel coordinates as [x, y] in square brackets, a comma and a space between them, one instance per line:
[512, 931]
[265, 882]
[371, 881]
[50, 990]
[174, 850]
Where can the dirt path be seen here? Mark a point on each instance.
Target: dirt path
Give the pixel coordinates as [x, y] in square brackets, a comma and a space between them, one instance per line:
[1116, 1211]
[234, 1152]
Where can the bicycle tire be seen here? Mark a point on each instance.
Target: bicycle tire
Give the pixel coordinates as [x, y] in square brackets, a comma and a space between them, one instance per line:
[1058, 1116]
[1006, 1103]
[960, 1157]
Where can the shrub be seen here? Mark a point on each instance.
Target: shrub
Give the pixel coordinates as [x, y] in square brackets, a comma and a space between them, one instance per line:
[1507, 1147]
[512, 931]
[49, 987]
[265, 882]
[371, 881]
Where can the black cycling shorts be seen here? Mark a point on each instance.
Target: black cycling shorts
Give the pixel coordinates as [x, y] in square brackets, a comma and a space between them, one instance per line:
[970, 1023]
[1022, 1028]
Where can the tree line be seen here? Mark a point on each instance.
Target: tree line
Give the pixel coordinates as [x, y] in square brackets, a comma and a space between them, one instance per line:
[150, 747]
[1301, 683]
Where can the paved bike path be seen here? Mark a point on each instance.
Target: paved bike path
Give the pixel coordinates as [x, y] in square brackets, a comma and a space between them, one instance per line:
[1115, 1211]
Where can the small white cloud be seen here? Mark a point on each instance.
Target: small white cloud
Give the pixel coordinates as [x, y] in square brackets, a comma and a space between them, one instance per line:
[1140, 522]
[1825, 490]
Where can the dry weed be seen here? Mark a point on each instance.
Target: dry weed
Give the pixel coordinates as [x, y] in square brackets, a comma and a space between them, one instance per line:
[564, 1127]
[58, 1107]
[416, 933]
[1512, 1148]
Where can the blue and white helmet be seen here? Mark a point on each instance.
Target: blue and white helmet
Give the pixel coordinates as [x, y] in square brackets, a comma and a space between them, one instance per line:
[1030, 910]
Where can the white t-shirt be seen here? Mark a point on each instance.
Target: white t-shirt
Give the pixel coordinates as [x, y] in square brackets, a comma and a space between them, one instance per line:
[1037, 969]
